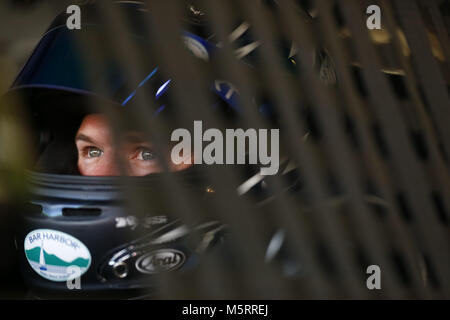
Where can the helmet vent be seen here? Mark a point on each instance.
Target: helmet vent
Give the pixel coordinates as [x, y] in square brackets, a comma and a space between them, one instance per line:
[81, 212]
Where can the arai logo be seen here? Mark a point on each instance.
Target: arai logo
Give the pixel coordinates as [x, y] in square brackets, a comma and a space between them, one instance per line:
[51, 253]
[160, 261]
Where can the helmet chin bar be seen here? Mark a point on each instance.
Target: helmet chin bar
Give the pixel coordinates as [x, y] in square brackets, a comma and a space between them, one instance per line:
[140, 249]
[85, 209]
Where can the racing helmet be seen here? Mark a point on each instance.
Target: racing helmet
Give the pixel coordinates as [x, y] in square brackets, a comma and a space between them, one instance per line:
[89, 228]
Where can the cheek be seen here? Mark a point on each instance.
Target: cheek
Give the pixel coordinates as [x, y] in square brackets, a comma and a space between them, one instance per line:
[88, 168]
[179, 167]
[97, 167]
[139, 168]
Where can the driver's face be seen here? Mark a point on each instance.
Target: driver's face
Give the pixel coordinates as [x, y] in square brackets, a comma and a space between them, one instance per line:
[98, 155]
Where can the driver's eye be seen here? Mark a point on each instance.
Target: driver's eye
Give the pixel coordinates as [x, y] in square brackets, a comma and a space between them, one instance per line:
[146, 155]
[94, 152]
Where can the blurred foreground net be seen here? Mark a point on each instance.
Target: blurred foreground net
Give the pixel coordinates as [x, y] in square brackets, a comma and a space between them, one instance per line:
[363, 117]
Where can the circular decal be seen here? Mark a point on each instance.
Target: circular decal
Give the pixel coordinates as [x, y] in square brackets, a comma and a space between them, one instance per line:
[55, 255]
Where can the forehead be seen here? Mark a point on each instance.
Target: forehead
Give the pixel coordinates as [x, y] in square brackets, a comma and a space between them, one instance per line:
[95, 124]
[98, 125]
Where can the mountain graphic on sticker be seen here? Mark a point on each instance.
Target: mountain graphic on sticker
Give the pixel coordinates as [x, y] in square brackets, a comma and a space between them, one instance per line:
[51, 259]
[55, 255]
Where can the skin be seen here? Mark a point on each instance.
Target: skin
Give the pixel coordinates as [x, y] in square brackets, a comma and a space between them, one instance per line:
[98, 155]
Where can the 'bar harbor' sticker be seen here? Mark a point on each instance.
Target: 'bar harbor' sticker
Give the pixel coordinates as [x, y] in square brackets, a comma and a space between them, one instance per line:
[50, 253]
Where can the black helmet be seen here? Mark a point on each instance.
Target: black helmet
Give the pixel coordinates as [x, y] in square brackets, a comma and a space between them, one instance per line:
[78, 226]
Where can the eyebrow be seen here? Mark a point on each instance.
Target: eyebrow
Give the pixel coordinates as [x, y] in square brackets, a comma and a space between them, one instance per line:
[130, 138]
[82, 137]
